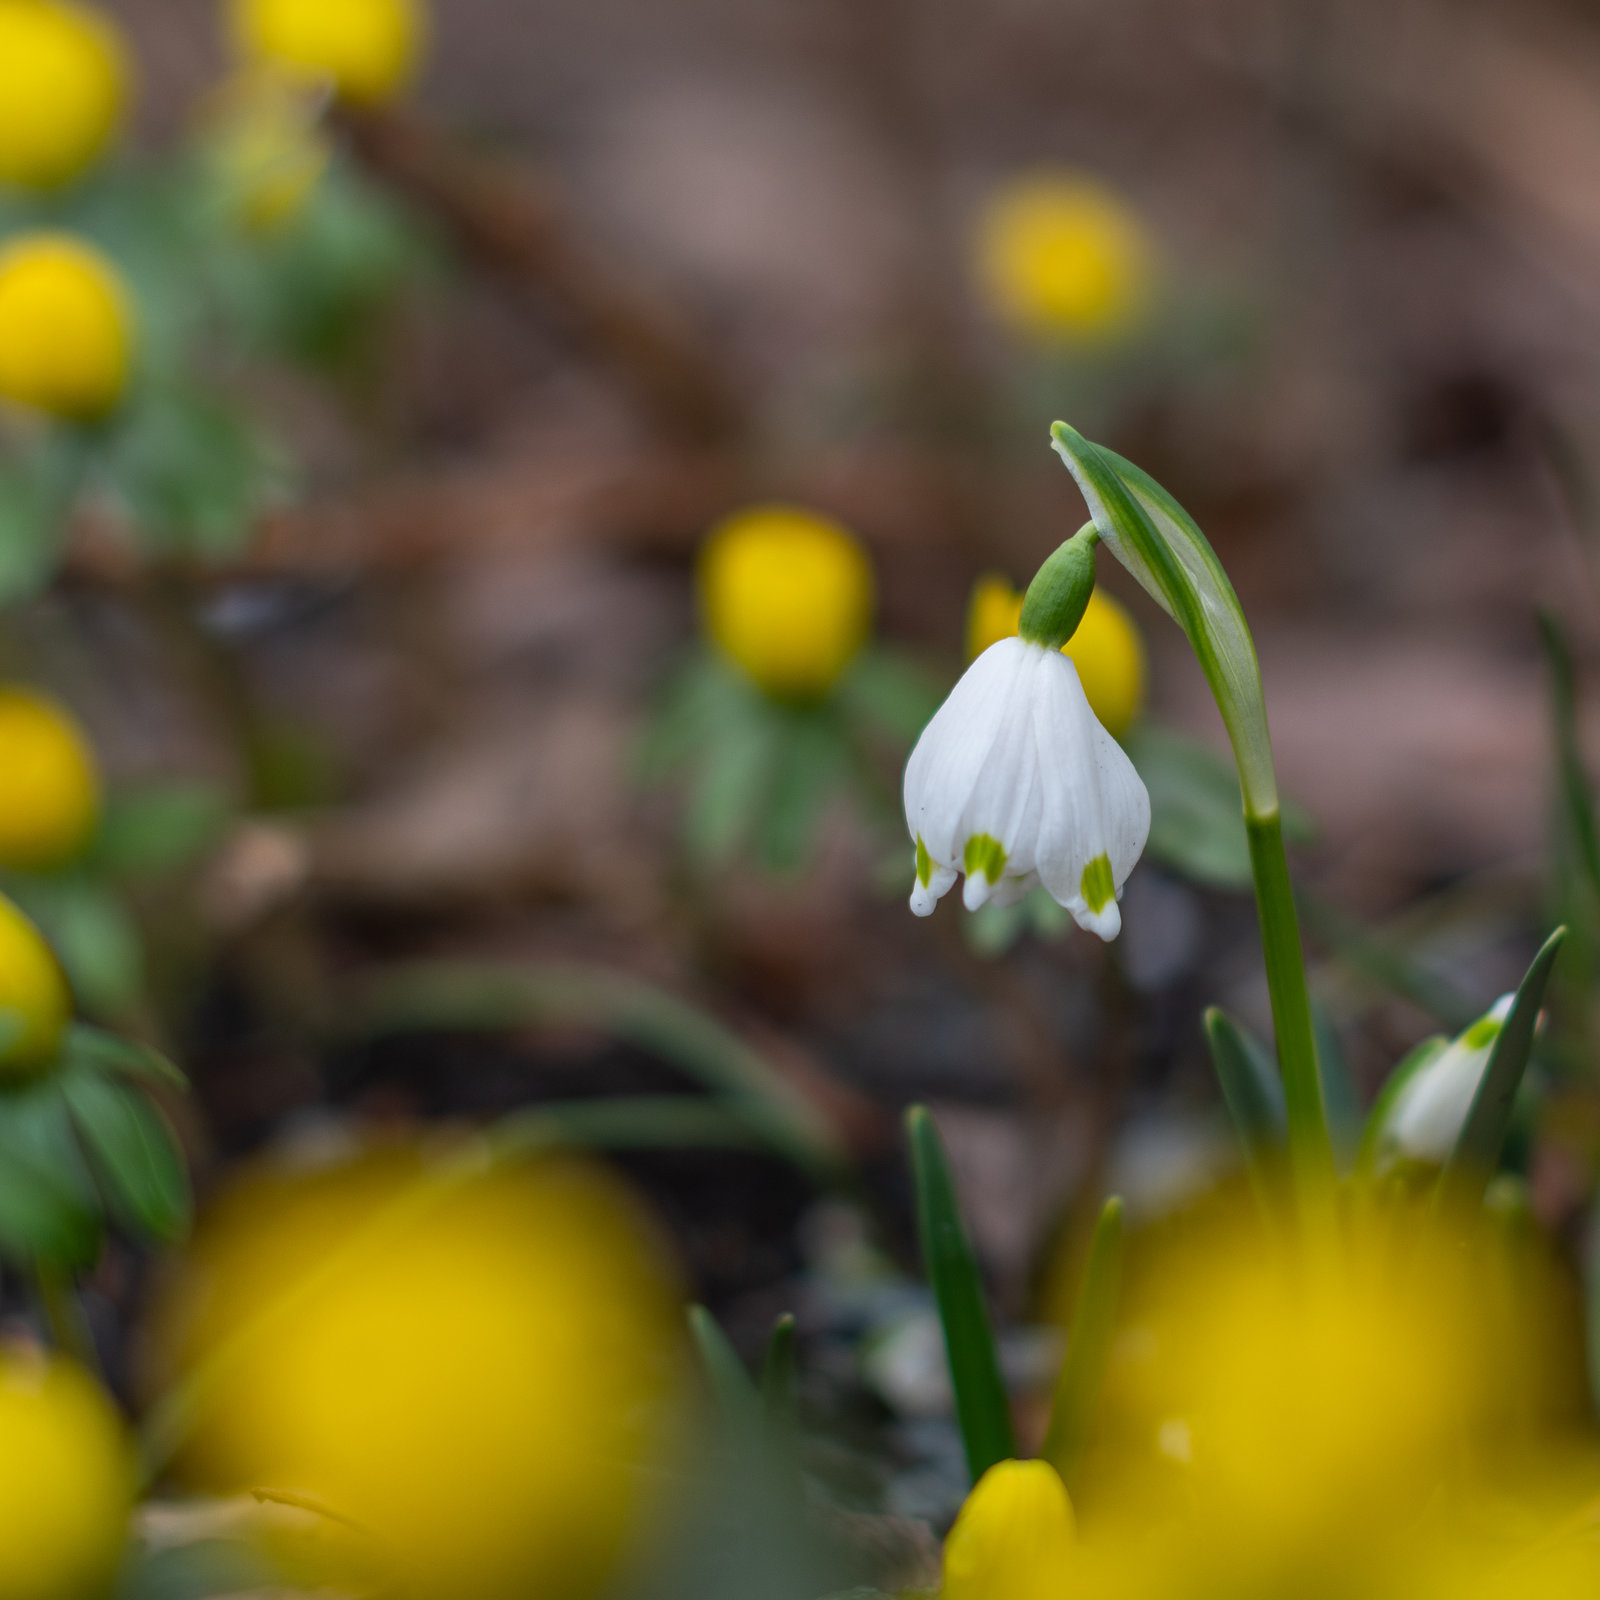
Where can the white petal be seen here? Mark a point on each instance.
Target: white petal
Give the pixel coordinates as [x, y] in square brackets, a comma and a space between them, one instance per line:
[1096, 803]
[925, 896]
[1433, 1107]
[956, 748]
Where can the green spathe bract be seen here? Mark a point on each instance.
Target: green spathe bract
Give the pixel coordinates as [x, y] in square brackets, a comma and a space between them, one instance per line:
[1161, 545]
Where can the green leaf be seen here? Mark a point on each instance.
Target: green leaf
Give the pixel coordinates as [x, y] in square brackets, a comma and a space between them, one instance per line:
[811, 762]
[1253, 1094]
[735, 1395]
[1196, 813]
[94, 1050]
[733, 781]
[135, 1153]
[92, 934]
[778, 1380]
[891, 694]
[1339, 1097]
[49, 1210]
[476, 995]
[1376, 1133]
[1088, 1347]
[1576, 795]
[158, 829]
[1477, 1151]
[193, 472]
[629, 1122]
[952, 1269]
[30, 535]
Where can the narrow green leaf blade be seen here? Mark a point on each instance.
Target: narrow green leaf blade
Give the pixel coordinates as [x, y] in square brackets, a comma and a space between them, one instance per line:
[1576, 795]
[952, 1268]
[134, 1152]
[735, 1395]
[95, 1050]
[1253, 1094]
[1466, 1174]
[1088, 1346]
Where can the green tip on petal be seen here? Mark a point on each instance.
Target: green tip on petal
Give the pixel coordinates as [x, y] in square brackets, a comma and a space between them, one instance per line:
[1482, 1032]
[1098, 887]
[924, 864]
[986, 855]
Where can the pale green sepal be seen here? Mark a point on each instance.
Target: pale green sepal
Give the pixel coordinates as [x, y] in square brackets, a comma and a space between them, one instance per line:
[1160, 544]
[1059, 594]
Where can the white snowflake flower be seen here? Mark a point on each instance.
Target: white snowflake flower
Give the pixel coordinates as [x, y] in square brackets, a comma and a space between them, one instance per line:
[1432, 1108]
[1014, 782]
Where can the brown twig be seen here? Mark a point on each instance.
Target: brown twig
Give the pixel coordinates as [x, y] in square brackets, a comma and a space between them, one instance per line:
[515, 224]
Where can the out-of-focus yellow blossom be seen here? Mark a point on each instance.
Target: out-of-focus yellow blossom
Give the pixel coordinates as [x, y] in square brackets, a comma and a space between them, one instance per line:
[471, 1368]
[366, 49]
[66, 1481]
[35, 1004]
[50, 794]
[1063, 257]
[787, 595]
[266, 147]
[63, 79]
[1014, 1539]
[1348, 1428]
[66, 329]
[1107, 649]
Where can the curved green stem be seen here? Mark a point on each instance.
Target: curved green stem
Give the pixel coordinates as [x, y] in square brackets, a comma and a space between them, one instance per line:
[1310, 1148]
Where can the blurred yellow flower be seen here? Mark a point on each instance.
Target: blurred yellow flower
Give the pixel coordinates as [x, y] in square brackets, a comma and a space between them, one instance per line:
[266, 146]
[63, 79]
[472, 1368]
[1107, 649]
[1014, 1539]
[66, 328]
[366, 49]
[35, 1004]
[1062, 256]
[50, 799]
[1351, 1427]
[787, 595]
[66, 1481]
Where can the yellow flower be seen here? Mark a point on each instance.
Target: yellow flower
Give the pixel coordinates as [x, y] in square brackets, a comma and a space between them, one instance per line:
[266, 147]
[1107, 649]
[1062, 256]
[66, 329]
[66, 1481]
[367, 49]
[469, 1366]
[35, 1005]
[50, 798]
[63, 79]
[788, 596]
[1014, 1539]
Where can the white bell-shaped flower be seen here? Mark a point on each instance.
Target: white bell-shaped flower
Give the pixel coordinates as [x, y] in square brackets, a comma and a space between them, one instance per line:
[1432, 1107]
[1014, 782]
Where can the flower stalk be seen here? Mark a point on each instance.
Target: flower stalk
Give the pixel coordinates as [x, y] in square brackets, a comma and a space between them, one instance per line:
[1160, 544]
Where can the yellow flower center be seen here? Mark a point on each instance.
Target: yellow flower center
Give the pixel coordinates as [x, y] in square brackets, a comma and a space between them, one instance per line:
[50, 799]
[367, 49]
[66, 329]
[788, 596]
[63, 80]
